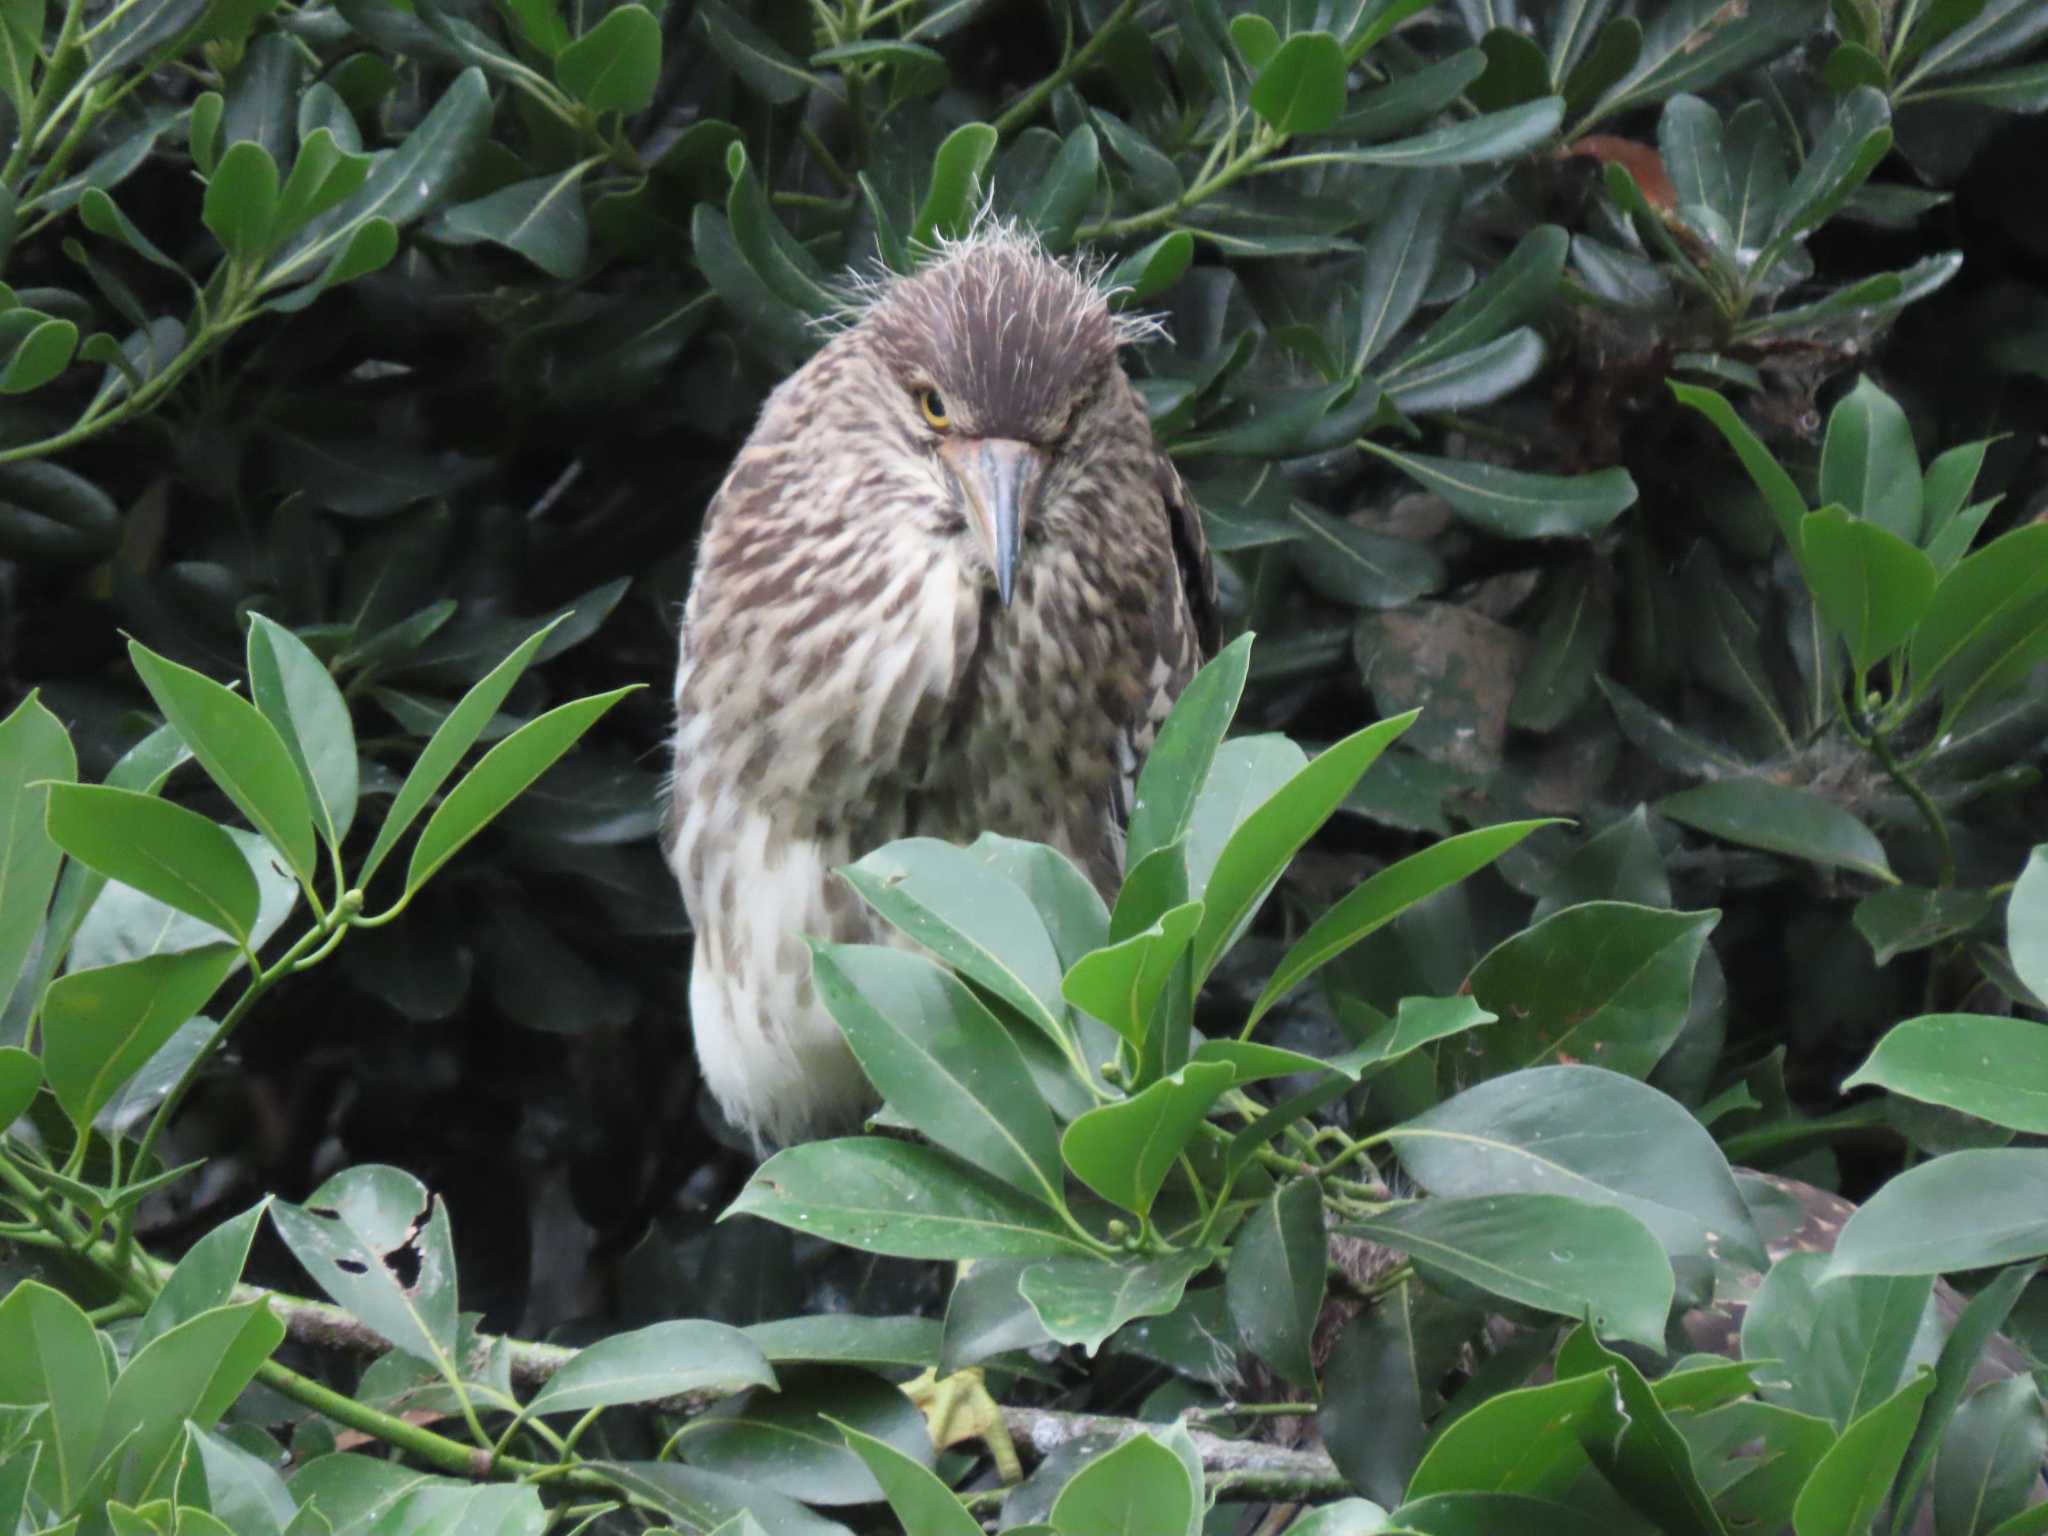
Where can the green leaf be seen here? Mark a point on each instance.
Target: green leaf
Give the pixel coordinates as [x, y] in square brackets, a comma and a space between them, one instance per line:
[1603, 982]
[1649, 1462]
[664, 1360]
[1873, 586]
[162, 850]
[1848, 1488]
[788, 1441]
[1960, 1211]
[241, 201]
[49, 1355]
[768, 68]
[39, 356]
[1121, 983]
[1066, 191]
[21, 41]
[1591, 1134]
[1868, 462]
[499, 777]
[1903, 918]
[1354, 565]
[1482, 140]
[1946, 488]
[1256, 40]
[193, 1372]
[1266, 841]
[942, 1061]
[34, 747]
[615, 66]
[21, 1075]
[920, 1501]
[1550, 1252]
[1779, 493]
[1991, 1457]
[978, 922]
[1150, 270]
[1274, 1280]
[405, 184]
[1988, 623]
[1779, 818]
[955, 190]
[1855, 139]
[1385, 896]
[346, 1232]
[1183, 751]
[540, 23]
[1300, 89]
[900, 1198]
[1138, 1489]
[1514, 293]
[1084, 1301]
[2026, 922]
[1530, 1441]
[205, 1278]
[240, 751]
[1983, 1317]
[295, 693]
[1984, 1065]
[1124, 1151]
[1514, 504]
[541, 218]
[1400, 258]
[101, 1025]
[451, 739]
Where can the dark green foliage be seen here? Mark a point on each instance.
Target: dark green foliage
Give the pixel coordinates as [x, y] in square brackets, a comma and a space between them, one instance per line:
[1619, 425]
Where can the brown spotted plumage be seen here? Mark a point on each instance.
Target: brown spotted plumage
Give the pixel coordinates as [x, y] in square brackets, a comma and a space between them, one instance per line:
[950, 585]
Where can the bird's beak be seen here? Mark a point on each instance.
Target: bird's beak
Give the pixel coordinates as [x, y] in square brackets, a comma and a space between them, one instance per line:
[999, 476]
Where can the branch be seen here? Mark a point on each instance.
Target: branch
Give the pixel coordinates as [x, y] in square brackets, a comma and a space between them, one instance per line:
[1238, 1469]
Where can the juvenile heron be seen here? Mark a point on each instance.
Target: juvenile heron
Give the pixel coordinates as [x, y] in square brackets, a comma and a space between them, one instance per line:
[949, 585]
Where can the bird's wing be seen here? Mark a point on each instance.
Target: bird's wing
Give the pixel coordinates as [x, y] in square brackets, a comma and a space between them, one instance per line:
[1186, 629]
[1191, 556]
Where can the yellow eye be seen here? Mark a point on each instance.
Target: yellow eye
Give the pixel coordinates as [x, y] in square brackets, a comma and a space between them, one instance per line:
[934, 409]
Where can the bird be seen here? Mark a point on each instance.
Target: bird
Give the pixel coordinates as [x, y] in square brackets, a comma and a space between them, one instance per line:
[950, 585]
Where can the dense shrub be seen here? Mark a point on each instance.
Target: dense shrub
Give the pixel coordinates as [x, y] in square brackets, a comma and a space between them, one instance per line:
[1647, 393]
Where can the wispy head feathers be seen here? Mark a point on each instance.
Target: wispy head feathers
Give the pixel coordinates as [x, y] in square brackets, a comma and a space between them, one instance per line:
[1015, 339]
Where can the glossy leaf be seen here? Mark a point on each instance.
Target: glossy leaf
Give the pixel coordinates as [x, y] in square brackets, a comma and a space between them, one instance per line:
[1183, 751]
[49, 1355]
[1084, 1301]
[920, 1501]
[1124, 1151]
[241, 201]
[1869, 465]
[34, 747]
[541, 218]
[1300, 89]
[615, 66]
[1521, 1442]
[1514, 504]
[1991, 1067]
[162, 850]
[205, 1278]
[976, 921]
[1605, 983]
[663, 1360]
[1988, 622]
[1267, 840]
[1138, 1489]
[942, 1061]
[101, 1025]
[1592, 1134]
[955, 188]
[1873, 586]
[1779, 818]
[1550, 1252]
[240, 751]
[899, 1198]
[1961, 1211]
[1274, 1280]
[1383, 897]
[1848, 1488]
[296, 693]
[343, 1235]
[500, 776]
[2026, 922]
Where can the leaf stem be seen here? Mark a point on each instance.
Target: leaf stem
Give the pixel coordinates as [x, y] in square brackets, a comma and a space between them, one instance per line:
[1924, 803]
